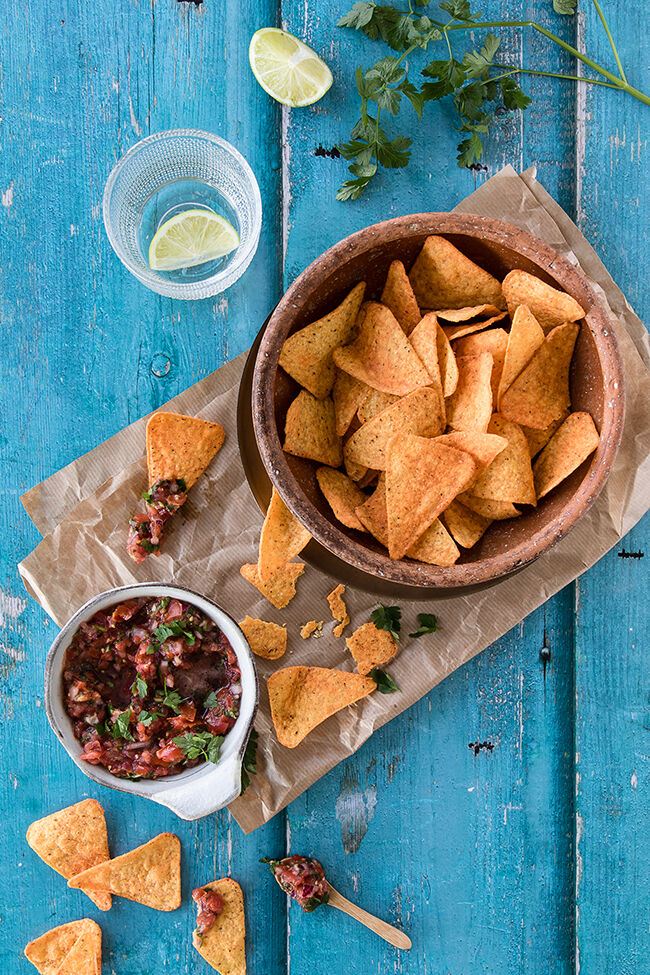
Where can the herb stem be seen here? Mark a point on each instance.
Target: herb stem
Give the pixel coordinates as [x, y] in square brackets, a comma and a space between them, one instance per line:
[554, 74]
[611, 40]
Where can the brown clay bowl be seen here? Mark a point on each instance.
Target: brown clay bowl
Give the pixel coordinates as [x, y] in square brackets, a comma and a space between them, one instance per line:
[597, 386]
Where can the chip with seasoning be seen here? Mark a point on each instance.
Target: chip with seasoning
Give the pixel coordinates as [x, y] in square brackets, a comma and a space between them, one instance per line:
[48, 952]
[526, 336]
[443, 277]
[421, 412]
[398, 296]
[374, 403]
[281, 539]
[483, 447]
[464, 525]
[150, 874]
[348, 396]
[470, 405]
[539, 438]
[510, 476]
[281, 588]
[488, 508]
[342, 495]
[310, 430]
[72, 840]
[85, 956]
[220, 933]
[458, 329]
[549, 306]
[371, 647]
[435, 546]
[494, 341]
[311, 628]
[426, 339]
[303, 697]
[540, 394]
[338, 609]
[268, 640]
[575, 440]
[372, 513]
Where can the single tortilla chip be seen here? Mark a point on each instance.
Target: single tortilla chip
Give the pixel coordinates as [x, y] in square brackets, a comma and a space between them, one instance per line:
[478, 312]
[549, 306]
[348, 396]
[223, 946]
[72, 840]
[381, 355]
[314, 627]
[483, 447]
[470, 405]
[281, 539]
[510, 475]
[495, 342]
[49, 951]
[540, 394]
[85, 956]
[371, 647]
[279, 590]
[310, 430]
[420, 412]
[575, 440]
[180, 447]
[460, 329]
[307, 355]
[398, 296]
[488, 508]
[526, 336]
[338, 609]
[442, 277]
[372, 513]
[425, 339]
[374, 403]
[465, 525]
[149, 875]
[435, 546]
[539, 438]
[303, 697]
[268, 640]
[422, 478]
[342, 495]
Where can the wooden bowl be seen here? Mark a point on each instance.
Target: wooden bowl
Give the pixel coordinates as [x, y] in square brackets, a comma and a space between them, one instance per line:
[597, 386]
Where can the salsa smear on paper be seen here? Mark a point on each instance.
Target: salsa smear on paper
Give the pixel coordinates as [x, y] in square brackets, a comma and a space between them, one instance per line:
[152, 687]
[302, 878]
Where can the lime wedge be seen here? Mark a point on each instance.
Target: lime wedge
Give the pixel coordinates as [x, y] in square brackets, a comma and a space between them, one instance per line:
[287, 69]
[190, 238]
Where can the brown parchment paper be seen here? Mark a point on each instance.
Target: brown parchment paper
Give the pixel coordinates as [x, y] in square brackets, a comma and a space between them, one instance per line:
[83, 509]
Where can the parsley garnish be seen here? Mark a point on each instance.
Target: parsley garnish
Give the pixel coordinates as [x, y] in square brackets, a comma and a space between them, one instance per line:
[148, 546]
[428, 624]
[139, 687]
[211, 700]
[200, 745]
[147, 717]
[388, 618]
[249, 763]
[385, 683]
[170, 699]
[174, 628]
[120, 726]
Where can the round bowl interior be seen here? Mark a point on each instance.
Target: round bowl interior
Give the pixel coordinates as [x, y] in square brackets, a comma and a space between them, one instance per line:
[596, 386]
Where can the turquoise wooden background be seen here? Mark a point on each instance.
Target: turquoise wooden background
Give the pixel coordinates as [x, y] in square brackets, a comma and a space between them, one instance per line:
[529, 857]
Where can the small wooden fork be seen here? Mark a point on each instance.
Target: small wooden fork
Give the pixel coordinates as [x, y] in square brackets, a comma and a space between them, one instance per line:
[386, 931]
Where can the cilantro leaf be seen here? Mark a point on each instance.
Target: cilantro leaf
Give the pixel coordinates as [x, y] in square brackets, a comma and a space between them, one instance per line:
[566, 7]
[170, 699]
[148, 717]
[211, 700]
[139, 687]
[470, 151]
[385, 683]
[200, 745]
[249, 763]
[427, 624]
[459, 10]
[174, 628]
[478, 63]
[120, 725]
[388, 618]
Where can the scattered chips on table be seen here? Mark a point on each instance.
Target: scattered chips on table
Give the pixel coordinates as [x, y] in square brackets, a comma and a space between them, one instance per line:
[281, 588]
[223, 946]
[180, 447]
[268, 640]
[311, 628]
[85, 956]
[49, 952]
[569, 446]
[371, 647]
[150, 874]
[342, 495]
[398, 296]
[281, 539]
[443, 277]
[310, 430]
[526, 336]
[303, 697]
[510, 476]
[540, 394]
[338, 609]
[71, 840]
[549, 306]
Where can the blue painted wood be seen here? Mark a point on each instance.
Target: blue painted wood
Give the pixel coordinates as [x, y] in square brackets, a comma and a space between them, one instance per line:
[470, 848]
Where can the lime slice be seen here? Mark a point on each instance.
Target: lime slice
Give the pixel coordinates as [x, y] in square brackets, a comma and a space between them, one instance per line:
[190, 238]
[287, 69]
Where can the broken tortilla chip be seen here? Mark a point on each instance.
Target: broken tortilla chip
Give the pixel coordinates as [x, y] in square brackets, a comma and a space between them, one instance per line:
[465, 525]
[180, 447]
[303, 697]
[495, 342]
[572, 443]
[371, 647]
[549, 306]
[372, 513]
[422, 478]
[281, 539]
[435, 546]
[510, 475]
[280, 589]
[71, 840]
[310, 430]
[398, 296]
[48, 952]
[338, 609]
[223, 946]
[420, 412]
[314, 627]
[470, 405]
[342, 495]
[307, 354]
[268, 640]
[526, 336]
[539, 438]
[381, 355]
[442, 277]
[348, 396]
[540, 394]
[488, 508]
[85, 956]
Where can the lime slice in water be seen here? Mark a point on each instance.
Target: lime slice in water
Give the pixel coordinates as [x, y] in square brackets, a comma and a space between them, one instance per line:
[190, 238]
[287, 69]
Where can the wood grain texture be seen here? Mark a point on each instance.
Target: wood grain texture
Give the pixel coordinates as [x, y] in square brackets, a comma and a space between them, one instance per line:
[502, 820]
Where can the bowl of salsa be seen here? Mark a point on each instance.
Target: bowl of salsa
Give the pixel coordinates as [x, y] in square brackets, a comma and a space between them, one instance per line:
[152, 690]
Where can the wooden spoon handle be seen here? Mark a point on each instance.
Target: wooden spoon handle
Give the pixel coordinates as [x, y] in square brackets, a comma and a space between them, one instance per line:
[386, 931]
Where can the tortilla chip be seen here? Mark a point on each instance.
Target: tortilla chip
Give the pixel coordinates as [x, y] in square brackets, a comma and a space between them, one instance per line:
[575, 440]
[381, 355]
[338, 609]
[422, 478]
[495, 342]
[540, 394]
[526, 336]
[372, 513]
[180, 447]
[549, 306]
[478, 312]
[470, 406]
[420, 412]
[435, 546]
[307, 355]
[371, 647]
[72, 840]
[279, 590]
[460, 329]
[510, 475]
[85, 956]
[465, 525]
[48, 952]
[488, 508]
[313, 626]
[539, 438]
[281, 539]
[348, 396]
[310, 430]
[303, 697]
[268, 640]
[442, 277]
[342, 495]
[374, 403]
[398, 296]
[224, 945]
[150, 874]
[483, 447]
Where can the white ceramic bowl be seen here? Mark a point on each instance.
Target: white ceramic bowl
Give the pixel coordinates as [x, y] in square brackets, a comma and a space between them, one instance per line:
[198, 791]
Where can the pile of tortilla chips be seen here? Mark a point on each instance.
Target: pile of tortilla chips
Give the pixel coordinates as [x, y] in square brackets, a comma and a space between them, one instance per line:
[441, 408]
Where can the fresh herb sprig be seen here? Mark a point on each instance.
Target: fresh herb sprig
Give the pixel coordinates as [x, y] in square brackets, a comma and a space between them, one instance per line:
[200, 745]
[385, 683]
[427, 623]
[480, 86]
[388, 618]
